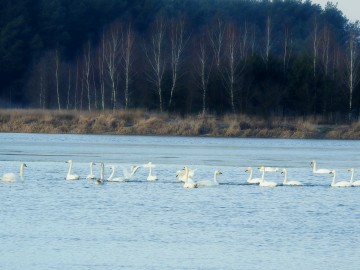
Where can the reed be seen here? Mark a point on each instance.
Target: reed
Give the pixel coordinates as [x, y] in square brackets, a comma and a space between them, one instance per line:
[142, 122]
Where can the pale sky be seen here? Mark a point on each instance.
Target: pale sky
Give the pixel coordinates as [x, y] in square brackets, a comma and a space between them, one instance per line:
[350, 8]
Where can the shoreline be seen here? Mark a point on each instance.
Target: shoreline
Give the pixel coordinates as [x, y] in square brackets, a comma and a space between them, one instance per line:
[141, 122]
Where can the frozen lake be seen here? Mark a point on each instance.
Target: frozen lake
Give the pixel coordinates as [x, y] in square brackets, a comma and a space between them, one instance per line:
[50, 223]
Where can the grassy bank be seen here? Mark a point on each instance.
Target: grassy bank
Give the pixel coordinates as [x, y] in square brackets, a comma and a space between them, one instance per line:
[138, 122]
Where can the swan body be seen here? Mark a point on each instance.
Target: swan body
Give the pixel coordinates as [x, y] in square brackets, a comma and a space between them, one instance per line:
[251, 180]
[353, 183]
[11, 177]
[91, 175]
[268, 169]
[314, 170]
[69, 175]
[208, 183]
[127, 175]
[289, 183]
[263, 182]
[339, 184]
[150, 177]
[189, 183]
[181, 175]
[114, 179]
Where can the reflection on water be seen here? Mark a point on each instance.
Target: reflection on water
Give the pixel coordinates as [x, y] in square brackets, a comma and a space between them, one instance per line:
[50, 223]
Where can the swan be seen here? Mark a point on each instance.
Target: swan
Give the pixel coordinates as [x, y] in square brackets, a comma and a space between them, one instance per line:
[100, 181]
[251, 180]
[189, 183]
[268, 169]
[314, 170]
[263, 182]
[150, 177]
[127, 175]
[11, 177]
[208, 183]
[69, 175]
[111, 177]
[339, 184]
[91, 175]
[181, 175]
[353, 183]
[289, 183]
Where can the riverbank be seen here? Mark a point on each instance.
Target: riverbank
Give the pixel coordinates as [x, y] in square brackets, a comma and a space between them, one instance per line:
[138, 122]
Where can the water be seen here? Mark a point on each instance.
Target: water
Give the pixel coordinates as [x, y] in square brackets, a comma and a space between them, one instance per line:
[50, 223]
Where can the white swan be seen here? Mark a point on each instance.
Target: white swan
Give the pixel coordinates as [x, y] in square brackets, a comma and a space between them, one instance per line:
[268, 169]
[289, 183]
[69, 175]
[339, 184]
[181, 174]
[189, 183]
[314, 170]
[114, 179]
[150, 177]
[127, 175]
[100, 181]
[353, 183]
[251, 180]
[11, 177]
[263, 182]
[208, 183]
[91, 175]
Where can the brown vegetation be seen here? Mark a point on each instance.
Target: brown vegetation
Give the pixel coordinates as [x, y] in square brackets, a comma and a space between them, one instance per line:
[140, 122]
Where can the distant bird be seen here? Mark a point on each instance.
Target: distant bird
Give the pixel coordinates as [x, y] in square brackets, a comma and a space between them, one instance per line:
[353, 183]
[289, 183]
[11, 177]
[314, 170]
[263, 182]
[91, 175]
[251, 180]
[208, 183]
[339, 184]
[150, 177]
[268, 169]
[69, 175]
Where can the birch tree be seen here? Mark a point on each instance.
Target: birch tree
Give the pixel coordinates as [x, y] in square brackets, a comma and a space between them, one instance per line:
[128, 45]
[177, 45]
[113, 55]
[87, 72]
[203, 67]
[155, 56]
[216, 37]
[352, 69]
[57, 64]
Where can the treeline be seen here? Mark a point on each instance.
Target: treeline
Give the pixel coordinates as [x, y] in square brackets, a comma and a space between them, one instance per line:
[283, 58]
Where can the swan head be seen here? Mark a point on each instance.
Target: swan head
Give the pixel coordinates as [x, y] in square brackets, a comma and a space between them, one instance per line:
[23, 165]
[99, 182]
[351, 170]
[261, 168]
[92, 163]
[248, 169]
[283, 171]
[332, 172]
[217, 172]
[276, 169]
[69, 161]
[312, 162]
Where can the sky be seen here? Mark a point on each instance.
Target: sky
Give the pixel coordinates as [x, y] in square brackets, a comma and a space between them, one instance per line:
[350, 8]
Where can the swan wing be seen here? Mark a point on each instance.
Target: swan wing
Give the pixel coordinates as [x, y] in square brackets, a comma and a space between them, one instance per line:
[9, 177]
[254, 180]
[342, 184]
[293, 183]
[356, 183]
[322, 171]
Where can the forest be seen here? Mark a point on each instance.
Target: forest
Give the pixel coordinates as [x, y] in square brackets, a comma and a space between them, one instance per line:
[252, 57]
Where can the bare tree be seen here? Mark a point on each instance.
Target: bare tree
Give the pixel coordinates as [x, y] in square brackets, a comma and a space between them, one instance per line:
[203, 70]
[232, 62]
[128, 45]
[155, 56]
[177, 45]
[101, 68]
[113, 55]
[216, 36]
[57, 64]
[268, 41]
[87, 71]
[287, 48]
[315, 46]
[352, 69]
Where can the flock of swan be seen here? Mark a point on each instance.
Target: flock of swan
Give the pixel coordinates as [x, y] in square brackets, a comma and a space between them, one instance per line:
[185, 176]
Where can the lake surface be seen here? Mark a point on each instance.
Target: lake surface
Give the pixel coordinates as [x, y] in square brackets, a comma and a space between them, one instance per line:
[48, 222]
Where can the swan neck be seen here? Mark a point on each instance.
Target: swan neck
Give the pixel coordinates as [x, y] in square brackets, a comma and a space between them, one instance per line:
[91, 168]
[263, 176]
[112, 173]
[285, 177]
[102, 171]
[251, 173]
[21, 170]
[215, 178]
[333, 180]
[70, 168]
[314, 166]
[352, 177]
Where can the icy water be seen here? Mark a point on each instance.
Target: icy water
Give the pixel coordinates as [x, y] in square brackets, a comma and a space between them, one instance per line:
[48, 222]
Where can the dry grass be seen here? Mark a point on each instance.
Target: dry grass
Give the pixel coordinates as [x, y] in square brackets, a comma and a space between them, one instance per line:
[141, 122]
